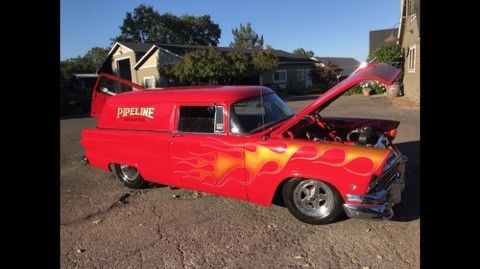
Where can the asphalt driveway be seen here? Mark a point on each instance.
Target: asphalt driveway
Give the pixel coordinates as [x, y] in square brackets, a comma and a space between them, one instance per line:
[106, 225]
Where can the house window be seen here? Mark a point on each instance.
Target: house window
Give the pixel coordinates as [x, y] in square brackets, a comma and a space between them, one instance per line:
[280, 76]
[303, 74]
[149, 82]
[201, 119]
[411, 7]
[411, 59]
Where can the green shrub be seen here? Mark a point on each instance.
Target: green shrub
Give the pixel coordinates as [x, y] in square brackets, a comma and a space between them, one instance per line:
[357, 89]
[377, 88]
[390, 53]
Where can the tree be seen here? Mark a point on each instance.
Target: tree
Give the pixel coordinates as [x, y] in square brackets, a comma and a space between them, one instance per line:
[245, 38]
[71, 66]
[96, 56]
[144, 25]
[240, 65]
[303, 52]
[147, 25]
[198, 30]
[213, 67]
[390, 53]
[326, 76]
[264, 60]
[88, 63]
[201, 66]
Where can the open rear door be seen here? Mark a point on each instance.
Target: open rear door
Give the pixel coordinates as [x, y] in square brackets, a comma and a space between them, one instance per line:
[108, 85]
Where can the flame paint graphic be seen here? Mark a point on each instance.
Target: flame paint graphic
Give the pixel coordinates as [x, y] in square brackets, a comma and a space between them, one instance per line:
[229, 162]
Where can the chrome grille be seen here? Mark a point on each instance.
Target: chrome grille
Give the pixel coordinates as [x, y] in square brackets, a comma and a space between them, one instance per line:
[384, 181]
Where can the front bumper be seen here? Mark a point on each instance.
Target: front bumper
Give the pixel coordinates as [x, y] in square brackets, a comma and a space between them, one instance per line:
[378, 202]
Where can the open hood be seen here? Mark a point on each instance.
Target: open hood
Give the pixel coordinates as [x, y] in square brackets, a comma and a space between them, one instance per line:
[383, 73]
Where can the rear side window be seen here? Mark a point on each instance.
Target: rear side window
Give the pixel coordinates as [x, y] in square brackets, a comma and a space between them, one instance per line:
[201, 119]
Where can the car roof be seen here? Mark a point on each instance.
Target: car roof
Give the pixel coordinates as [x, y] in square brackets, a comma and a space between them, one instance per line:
[195, 94]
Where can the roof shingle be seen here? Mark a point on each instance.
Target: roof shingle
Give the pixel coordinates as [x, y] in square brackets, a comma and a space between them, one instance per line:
[347, 64]
[180, 50]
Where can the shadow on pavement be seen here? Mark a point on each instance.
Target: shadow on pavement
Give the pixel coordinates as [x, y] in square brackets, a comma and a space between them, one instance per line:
[302, 97]
[409, 208]
[73, 115]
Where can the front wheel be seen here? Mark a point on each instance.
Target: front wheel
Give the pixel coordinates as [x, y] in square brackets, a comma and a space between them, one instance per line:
[312, 201]
[129, 175]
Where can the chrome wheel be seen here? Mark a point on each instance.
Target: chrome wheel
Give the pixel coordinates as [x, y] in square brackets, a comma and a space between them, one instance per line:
[313, 198]
[128, 173]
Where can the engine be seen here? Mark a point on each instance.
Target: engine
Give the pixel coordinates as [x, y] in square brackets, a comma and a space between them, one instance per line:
[343, 132]
[365, 136]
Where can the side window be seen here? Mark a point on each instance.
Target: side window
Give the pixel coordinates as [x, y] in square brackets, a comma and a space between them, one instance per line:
[201, 119]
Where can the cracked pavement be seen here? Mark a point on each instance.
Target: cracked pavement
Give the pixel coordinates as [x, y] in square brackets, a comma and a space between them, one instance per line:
[106, 225]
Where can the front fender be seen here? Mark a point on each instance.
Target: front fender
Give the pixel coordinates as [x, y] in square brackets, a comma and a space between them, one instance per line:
[348, 168]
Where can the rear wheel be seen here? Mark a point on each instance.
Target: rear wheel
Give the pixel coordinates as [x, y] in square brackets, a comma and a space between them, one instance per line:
[129, 175]
[312, 201]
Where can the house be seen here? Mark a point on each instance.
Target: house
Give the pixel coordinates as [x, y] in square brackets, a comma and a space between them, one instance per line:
[348, 65]
[409, 40]
[379, 37]
[141, 63]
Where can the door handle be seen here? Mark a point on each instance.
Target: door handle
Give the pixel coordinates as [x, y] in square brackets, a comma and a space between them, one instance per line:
[176, 135]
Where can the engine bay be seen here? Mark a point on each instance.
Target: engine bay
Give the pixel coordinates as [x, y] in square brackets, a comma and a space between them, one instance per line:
[361, 132]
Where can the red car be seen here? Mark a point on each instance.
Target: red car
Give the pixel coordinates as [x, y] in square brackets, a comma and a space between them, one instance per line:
[244, 142]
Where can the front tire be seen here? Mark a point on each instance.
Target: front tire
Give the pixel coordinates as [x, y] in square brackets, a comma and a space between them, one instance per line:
[129, 175]
[312, 201]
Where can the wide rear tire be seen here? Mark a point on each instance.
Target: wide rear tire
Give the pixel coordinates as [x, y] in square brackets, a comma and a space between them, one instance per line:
[130, 176]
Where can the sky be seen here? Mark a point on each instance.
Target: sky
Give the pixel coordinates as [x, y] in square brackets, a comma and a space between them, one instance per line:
[331, 28]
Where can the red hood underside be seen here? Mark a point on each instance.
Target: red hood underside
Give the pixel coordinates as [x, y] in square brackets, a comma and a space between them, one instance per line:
[383, 73]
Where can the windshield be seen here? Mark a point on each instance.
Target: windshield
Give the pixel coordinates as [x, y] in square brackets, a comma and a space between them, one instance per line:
[249, 115]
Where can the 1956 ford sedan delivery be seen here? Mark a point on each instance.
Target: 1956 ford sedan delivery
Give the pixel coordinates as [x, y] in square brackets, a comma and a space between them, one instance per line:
[244, 142]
